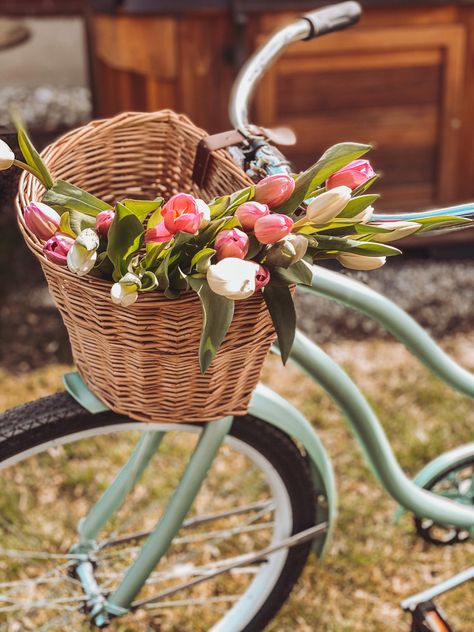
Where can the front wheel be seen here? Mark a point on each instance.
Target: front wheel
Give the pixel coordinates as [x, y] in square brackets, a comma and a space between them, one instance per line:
[57, 460]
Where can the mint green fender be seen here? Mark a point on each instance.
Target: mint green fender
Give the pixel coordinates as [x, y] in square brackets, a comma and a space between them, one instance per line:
[275, 410]
[443, 462]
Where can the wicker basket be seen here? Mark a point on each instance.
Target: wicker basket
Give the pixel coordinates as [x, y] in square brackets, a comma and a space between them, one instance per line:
[142, 361]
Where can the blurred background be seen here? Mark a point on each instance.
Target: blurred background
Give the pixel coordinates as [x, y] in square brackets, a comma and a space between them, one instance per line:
[402, 79]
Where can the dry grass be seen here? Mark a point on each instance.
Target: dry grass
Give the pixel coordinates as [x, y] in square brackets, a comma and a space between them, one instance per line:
[373, 563]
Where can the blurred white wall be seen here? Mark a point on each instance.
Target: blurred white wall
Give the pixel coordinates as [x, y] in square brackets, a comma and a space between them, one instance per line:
[55, 55]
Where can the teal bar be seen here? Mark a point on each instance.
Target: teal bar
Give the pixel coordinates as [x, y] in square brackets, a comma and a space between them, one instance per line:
[361, 298]
[460, 210]
[171, 520]
[371, 436]
[118, 490]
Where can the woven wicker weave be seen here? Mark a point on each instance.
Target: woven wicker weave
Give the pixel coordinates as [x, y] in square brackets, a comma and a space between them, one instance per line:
[143, 360]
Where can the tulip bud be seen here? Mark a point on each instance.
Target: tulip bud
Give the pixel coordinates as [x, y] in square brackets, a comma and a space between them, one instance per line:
[248, 213]
[272, 228]
[233, 278]
[231, 243]
[41, 220]
[274, 190]
[360, 262]
[158, 234]
[103, 222]
[328, 205]
[287, 251]
[399, 231]
[57, 248]
[364, 216]
[262, 277]
[82, 256]
[125, 292]
[6, 156]
[181, 214]
[352, 175]
[205, 211]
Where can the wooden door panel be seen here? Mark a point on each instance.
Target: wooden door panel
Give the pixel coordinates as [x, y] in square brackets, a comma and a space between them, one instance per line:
[398, 88]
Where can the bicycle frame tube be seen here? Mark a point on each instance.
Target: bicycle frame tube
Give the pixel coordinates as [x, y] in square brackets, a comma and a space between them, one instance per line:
[170, 522]
[373, 440]
[355, 295]
[118, 490]
[461, 210]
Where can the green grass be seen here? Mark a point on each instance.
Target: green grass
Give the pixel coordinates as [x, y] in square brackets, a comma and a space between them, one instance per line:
[372, 564]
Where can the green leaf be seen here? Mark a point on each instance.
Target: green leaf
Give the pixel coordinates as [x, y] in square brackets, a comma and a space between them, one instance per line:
[240, 197]
[441, 221]
[338, 244]
[65, 225]
[31, 156]
[218, 206]
[124, 240]
[155, 218]
[202, 259]
[333, 159]
[142, 208]
[218, 312]
[149, 281]
[299, 272]
[371, 248]
[162, 272]
[63, 195]
[282, 310]
[357, 204]
[79, 221]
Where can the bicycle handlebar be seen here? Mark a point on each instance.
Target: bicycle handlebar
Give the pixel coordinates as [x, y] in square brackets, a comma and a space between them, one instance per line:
[309, 26]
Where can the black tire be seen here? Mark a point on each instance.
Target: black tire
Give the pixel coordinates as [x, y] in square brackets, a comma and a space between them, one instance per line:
[56, 416]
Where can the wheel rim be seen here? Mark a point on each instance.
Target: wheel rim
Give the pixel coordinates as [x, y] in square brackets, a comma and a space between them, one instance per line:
[265, 525]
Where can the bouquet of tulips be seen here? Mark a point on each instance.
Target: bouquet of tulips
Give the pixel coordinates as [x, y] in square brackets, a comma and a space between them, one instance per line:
[263, 238]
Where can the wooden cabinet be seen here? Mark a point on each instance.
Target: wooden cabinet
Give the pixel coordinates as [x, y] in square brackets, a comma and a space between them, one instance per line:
[402, 79]
[398, 86]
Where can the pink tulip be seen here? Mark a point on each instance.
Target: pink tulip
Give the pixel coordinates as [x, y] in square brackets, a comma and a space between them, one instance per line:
[274, 190]
[231, 243]
[41, 219]
[352, 175]
[103, 222]
[249, 212]
[57, 247]
[158, 234]
[272, 228]
[262, 277]
[181, 214]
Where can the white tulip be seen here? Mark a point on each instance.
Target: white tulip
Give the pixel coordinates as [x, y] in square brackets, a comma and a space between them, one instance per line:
[125, 292]
[328, 205]
[360, 262]
[82, 256]
[6, 156]
[233, 278]
[399, 231]
[205, 211]
[365, 216]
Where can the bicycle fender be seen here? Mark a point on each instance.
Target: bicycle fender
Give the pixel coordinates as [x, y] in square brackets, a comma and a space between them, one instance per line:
[275, 410]
[442, 462]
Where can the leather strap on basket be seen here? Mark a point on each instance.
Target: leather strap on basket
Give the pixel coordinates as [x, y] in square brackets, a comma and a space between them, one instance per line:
[205, 148]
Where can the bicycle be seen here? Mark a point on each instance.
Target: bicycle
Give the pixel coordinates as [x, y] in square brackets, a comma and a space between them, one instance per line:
[271, 459]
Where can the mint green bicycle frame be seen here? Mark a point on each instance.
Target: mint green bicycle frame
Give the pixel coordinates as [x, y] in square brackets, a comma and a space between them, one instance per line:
[319, 366]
